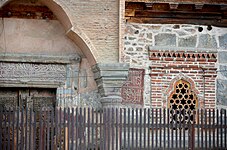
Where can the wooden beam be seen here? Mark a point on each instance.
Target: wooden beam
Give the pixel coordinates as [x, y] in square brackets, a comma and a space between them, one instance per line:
[178, 14]
[183, 1]
[214, 22]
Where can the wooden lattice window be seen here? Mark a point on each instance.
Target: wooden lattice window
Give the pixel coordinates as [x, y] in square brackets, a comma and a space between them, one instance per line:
[182, 102]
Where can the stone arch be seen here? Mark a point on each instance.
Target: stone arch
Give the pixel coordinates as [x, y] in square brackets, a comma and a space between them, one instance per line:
[72, 31]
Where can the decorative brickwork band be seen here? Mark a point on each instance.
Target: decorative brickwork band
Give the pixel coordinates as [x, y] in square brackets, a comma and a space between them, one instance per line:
[182, 56]
[132, 90]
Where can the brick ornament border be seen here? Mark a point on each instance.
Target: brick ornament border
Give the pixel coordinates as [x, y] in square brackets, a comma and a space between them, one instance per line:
[182, 56]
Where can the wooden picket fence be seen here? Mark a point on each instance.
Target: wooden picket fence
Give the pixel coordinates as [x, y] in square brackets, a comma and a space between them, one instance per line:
[110, 128]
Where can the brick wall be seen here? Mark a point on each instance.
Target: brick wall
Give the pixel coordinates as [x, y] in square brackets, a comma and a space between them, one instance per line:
[143, 39]
[196, 68]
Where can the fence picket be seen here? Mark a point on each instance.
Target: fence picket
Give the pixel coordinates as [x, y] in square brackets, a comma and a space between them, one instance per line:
[117, 126]
[217, 114]
[144, 126]
[225, 127]
[148, 127]
[113, 128]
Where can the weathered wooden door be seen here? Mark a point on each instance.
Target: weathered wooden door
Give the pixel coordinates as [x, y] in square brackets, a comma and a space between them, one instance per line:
[34, 98]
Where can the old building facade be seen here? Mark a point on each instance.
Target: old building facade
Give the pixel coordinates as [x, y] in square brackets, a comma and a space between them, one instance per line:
[165, 54]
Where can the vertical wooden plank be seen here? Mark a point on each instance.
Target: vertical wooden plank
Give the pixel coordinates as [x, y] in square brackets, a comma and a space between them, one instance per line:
[88, 128]
[206, 142]
[164, 128]
[180, 129]
[184, 129]
[117, 126]
[40, 130]
[80, 128]
[34, 130]
[84, 128]
[108, 128]
[213, 127]
[64, 129]
[225, 124]
[221, 127]
[53, 125]
[120, 133]
[4, 129]
[68, 131]
[217, 115]
[92, 128]
[152, 128]
[198, 128]
[156, 128]
[210, 128]
[101, 129]
[133, 125]
[202, 128]
[9, 125]
[76, 126]
[1, 125]
[97, 127]
[22, 128]
[160, 128]
[136, 128]
[124, 128]
[140, 124]
[193, 130]
[168, 128]
[30, 129]
[26, 127]
[60, 128]
[72, 127]
[128, 147]
[48, 128]
[17, 127]
[176, 133]
[104, 129]
[148, 127]
[144, 127]
[113, 127]
[172, 140]
[56, 127]
[44, 129]
[13, 121]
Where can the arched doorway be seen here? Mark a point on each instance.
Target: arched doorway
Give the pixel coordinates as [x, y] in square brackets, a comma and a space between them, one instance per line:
[36, 51]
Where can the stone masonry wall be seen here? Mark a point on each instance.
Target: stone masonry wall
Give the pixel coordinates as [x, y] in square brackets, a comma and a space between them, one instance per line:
[141, 39]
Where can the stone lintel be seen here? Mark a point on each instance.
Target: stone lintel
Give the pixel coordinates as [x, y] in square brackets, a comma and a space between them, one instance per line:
[109, 79]
[39, 58]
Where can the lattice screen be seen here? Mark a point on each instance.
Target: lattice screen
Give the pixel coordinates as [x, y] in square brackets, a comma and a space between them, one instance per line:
[182, 98]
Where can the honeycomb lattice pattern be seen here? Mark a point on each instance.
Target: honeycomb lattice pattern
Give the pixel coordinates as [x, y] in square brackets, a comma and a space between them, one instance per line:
[182, 102]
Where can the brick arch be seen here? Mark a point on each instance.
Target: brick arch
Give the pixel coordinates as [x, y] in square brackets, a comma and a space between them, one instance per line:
[72, 31]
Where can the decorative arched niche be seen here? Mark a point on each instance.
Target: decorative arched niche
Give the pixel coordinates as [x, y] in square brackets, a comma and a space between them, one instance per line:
[182, 96]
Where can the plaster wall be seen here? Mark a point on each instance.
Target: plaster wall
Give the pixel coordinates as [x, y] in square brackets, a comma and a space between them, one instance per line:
[35, 37]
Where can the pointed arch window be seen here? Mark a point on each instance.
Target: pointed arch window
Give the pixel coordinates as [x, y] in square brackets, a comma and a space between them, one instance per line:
[181, 102]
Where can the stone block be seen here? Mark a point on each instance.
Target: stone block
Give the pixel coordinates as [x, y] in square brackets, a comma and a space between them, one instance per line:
[207, 41]
[187, 42]
[223, 70]
[222, 57]
[165, 39]
[222, 92]
[223, 41]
